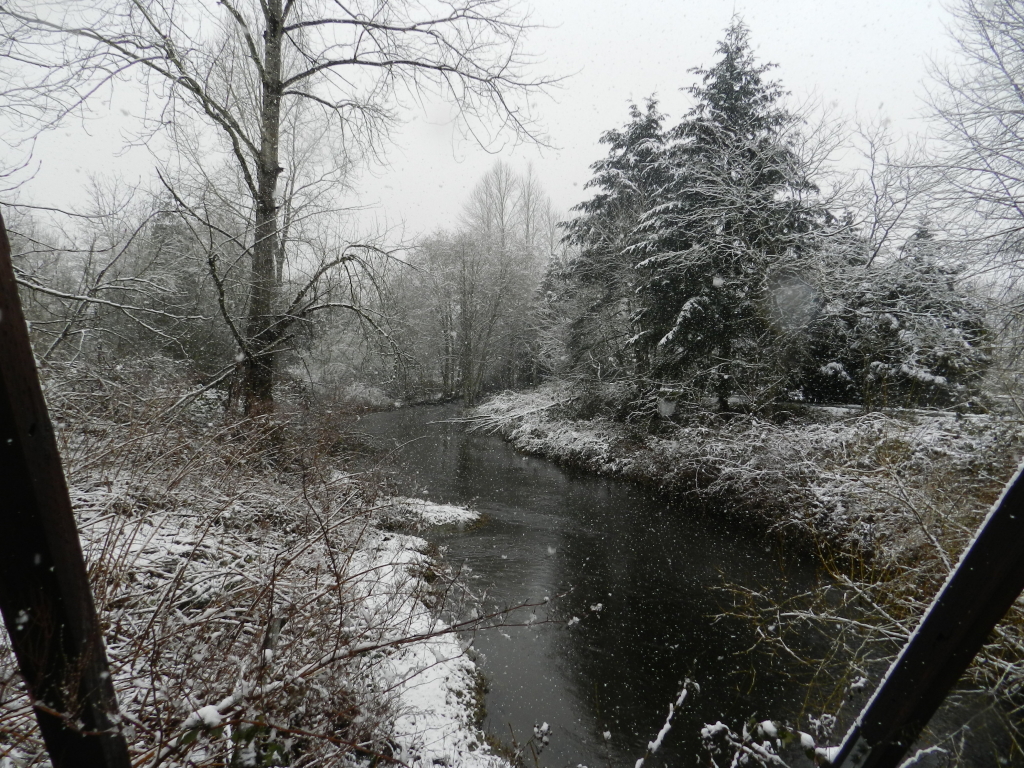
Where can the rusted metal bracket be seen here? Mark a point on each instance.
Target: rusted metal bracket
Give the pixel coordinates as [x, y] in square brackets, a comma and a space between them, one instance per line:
[44, 591]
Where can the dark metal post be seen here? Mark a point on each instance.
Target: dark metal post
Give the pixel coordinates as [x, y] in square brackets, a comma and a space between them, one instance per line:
[44, 592]
[976, 596]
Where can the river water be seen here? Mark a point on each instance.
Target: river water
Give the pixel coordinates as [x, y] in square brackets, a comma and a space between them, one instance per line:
[642, 574]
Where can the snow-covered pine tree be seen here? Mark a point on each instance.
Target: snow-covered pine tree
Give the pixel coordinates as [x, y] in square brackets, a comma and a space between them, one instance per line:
[734, 218]
[629, 182]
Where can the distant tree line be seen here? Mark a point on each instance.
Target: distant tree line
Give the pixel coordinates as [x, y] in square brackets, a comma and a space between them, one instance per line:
[720, 262]
[259, 111]
[464, 312]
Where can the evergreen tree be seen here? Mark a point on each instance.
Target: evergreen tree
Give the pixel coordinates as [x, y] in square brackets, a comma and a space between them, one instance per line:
[630, 180]
[734, 219]
[707, 259]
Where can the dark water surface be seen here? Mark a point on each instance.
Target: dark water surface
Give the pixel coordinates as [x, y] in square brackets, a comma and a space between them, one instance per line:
[652, 566]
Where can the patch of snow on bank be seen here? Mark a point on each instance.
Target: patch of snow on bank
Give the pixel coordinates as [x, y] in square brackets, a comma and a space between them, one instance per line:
[419, 513]
[432, 680]
[414, 664]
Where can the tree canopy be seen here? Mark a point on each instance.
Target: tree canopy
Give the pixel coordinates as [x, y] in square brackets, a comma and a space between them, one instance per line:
[709, 261]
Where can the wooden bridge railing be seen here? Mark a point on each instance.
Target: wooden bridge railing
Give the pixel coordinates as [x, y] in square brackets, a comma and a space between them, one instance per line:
[977, 594]
[44, 592]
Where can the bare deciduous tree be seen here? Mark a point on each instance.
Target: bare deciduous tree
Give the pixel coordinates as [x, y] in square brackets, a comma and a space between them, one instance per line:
[236, 71]
[468, 312]
[979, 104]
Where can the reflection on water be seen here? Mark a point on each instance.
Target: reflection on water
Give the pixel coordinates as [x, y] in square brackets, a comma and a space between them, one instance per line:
[638, 572]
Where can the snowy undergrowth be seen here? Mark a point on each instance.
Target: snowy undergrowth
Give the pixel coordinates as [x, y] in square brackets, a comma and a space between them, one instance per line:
[255, 611]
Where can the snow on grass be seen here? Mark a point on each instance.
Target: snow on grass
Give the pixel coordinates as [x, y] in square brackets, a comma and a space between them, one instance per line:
[395, 652]
[432, 679]
[254, 615]
[420, 513]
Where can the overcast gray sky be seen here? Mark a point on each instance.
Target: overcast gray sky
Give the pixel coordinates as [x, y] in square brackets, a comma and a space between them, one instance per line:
[867, 56]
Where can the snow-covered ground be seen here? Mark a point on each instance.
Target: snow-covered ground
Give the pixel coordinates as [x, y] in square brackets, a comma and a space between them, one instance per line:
[256, 616]
[170, 585]
[418, 514]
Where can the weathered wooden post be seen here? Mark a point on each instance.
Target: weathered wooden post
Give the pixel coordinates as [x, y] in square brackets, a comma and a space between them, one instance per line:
[44, 592]
[977, 594]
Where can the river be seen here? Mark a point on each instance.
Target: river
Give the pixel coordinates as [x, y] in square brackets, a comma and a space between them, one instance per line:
[642, 574]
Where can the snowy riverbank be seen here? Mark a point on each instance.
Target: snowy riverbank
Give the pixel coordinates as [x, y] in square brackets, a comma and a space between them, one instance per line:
[258, 605]
[887, 500]
[867, 480]
[397, 662]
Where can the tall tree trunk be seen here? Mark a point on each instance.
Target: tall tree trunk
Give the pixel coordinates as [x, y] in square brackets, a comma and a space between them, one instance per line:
[262, 329]
[448, 331]
[467, 366]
